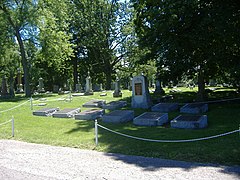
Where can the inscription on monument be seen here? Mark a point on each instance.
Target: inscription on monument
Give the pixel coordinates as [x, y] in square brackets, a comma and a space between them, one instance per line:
[138, 89]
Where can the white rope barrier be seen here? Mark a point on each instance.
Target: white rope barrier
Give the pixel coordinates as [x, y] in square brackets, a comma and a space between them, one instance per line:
[168, 141]
[11, 120]
[209, 102]
[6, 122]
[14, 107]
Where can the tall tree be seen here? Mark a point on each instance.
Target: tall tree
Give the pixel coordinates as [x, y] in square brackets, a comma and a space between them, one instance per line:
[19, 15]
[99, 29]
[185, 37]
[41, 22]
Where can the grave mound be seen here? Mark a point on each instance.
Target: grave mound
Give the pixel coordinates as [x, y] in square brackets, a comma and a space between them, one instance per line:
[189, 122]
[194, 108]
[66, 113]
[151, 119]
[45, 111]
[90, 114]
[114, 105]
[118, 116]
[165, 107]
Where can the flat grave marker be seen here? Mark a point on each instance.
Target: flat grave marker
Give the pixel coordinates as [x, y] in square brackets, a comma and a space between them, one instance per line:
[190, 122]
[94, 103]
[90, 114]
[151, 119]
[114, 105]
[194, 108]
[66, 113]
[165, 107]
[45, 111]
[118, 116]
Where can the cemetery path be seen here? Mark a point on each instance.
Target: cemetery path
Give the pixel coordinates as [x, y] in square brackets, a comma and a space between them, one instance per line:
[21, 160]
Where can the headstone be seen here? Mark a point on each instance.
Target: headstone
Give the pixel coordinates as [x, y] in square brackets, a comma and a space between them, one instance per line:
[94, 103]
[151, 119]
[66, 113]
[114, 105]
[140, 93]
[117, 92]
[189, 122]
[40, 85]
[4, 90]
[90, 114]
[55, 88]
[165, 107]
[158, 88]
[78, 87]
[19, 82]
[194, 108]
[45, 111]
[101, 87]
[118, 116]
[88, 88]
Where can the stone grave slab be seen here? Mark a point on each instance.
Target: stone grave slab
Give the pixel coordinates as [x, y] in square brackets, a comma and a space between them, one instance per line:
[194, 108]
[103, 94]
[190, 122]
[66, 113]
[45, 111]
[40, 104]
[94, 103]
[114, 105]
[118, 116]
[164, 107]
[90, 114]
[78, 94]
[151, 119]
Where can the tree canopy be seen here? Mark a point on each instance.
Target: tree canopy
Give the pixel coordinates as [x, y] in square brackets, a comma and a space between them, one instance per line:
[189, 37]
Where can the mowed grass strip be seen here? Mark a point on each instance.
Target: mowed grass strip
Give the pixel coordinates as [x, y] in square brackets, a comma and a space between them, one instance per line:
[222, 117]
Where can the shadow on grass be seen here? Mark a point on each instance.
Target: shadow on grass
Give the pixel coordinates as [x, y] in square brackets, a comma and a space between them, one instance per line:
[82, 125]
[224, 150]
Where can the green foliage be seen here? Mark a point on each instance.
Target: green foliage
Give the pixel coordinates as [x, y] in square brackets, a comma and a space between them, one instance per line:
[189, 37]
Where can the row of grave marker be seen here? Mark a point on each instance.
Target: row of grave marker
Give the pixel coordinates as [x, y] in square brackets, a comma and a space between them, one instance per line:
[157, 118]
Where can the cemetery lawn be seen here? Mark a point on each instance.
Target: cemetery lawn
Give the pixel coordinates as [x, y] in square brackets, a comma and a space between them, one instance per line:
[222, 117]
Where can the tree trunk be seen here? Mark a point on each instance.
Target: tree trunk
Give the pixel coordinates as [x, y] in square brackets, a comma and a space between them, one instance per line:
[108, 75]
[201, 86]
[75, 72]
[24, 64]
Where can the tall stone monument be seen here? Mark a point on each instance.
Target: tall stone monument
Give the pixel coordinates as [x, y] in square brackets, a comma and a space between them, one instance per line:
[88, 87]
[140, 93]
[4, 90]
[117, 91]
[158, 88]
[19, 81]
[41, 85]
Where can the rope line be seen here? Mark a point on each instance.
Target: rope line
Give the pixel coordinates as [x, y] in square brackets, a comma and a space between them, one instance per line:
[209, 102]
[14, 107]
[6, 122]
[169, 141]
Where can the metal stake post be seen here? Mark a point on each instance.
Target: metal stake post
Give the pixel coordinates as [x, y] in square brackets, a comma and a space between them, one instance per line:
[12, 126]
[96, 132]
[31, 103]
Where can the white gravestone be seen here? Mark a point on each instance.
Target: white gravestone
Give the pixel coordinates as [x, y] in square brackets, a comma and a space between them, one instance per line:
[140, 93]
[88, 90]
[40, 85]
[117, 92]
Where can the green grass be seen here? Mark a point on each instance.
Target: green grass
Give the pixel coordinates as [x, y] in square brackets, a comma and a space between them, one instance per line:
[222, 117]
